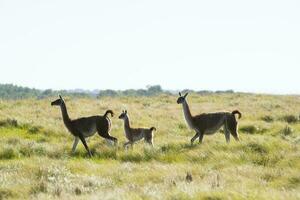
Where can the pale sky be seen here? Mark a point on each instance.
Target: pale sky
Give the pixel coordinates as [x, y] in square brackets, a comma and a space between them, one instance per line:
[250, 46]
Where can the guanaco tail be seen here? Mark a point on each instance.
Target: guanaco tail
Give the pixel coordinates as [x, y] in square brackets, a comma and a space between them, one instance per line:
[210, 123]
[85, 127]
[136, 134]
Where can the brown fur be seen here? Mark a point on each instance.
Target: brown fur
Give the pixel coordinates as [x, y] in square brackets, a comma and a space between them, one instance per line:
[210, 123]
[136, 134]
[82, 128]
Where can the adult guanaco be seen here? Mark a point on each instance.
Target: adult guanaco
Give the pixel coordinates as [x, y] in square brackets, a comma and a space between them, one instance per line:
[210, 123]
[136, 134]
[85, 127]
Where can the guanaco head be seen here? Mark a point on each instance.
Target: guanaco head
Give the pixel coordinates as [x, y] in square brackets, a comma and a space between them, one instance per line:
[123, 114]
[181, 98]
[58, 102]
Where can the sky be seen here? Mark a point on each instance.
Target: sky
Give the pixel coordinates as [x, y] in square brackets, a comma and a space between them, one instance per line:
[248, 46]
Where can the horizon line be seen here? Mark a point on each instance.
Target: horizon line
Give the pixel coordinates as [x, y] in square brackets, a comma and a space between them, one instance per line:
[164, 89]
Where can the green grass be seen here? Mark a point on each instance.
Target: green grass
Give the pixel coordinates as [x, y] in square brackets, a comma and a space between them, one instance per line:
[36, 160]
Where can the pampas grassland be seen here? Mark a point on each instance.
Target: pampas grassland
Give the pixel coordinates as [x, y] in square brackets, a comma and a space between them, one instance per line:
[36, 163]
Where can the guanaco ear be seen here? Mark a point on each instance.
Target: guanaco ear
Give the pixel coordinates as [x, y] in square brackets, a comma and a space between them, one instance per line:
[185, 94]
[60, 97]
[180, 94]
[125, 111]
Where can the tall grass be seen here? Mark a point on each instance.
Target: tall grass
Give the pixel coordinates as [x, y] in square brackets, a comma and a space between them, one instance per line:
[36, 160]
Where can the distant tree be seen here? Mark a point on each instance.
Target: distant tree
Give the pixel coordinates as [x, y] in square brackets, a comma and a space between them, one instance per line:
[9, 91]
[130, 92]
[203, 92]
[47, 92]
[141, 92]
[187, 90]
[224, 91]
[155, 89]
[110, 93]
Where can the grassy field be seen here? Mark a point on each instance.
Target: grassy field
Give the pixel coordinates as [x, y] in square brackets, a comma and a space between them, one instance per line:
[36, 163]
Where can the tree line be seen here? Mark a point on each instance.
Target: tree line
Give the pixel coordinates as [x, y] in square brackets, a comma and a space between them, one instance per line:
[10, 91]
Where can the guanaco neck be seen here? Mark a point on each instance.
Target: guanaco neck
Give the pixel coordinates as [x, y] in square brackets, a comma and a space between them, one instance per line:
[187, 114]
[126, 124]
[65, 115]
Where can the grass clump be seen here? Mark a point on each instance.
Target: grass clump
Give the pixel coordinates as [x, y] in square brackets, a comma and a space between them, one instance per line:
[268, 118]
[8, 153]
[294, 182]
[257, 148]
[182, 126]
[286, 131]
[259, 154]
[252, 129]
[5, 194]
[104, 153]
[77, 191]
[151, 154]
[34, 129]
[132, 157]
[9, 123]
[40, 187]
[291, 119]
[30, 149]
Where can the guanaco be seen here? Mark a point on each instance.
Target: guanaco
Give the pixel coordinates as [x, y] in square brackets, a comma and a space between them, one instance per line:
[210, 123]
[85, 127]
[136, 134]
